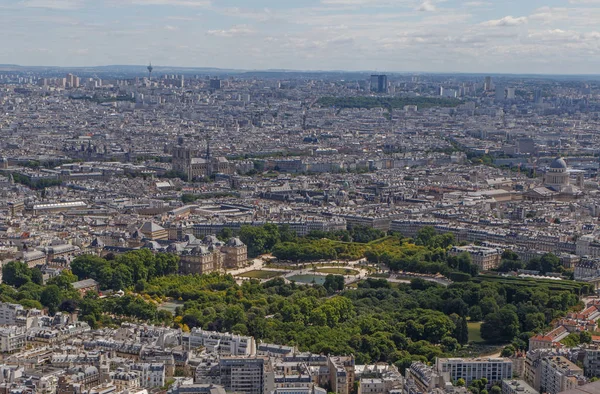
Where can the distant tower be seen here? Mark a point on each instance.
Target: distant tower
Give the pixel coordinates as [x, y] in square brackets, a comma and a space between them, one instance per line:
[487, 85]
[209, 162]
[150, 68]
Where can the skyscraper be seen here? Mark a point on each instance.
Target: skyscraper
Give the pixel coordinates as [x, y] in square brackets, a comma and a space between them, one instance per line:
[500, 93]
[379, 83]
[510, 93]
[215, 84]
[487, 86]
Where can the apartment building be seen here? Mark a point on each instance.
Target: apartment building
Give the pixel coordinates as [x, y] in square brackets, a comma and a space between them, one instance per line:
[421, 378]
[10, 312]
[469, 369]
[371, 386]
[558, 374]
[511, 386]
[341, 374]
[549, 340]
[12, 338]
[299, 390]
[247, 375]
[221, 343]
[485, 258]
[151, 374]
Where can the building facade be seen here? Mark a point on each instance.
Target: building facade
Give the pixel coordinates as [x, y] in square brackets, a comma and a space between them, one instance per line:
[469, 369]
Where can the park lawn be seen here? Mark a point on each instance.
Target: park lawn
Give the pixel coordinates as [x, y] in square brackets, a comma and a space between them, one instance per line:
[474, 333]
[260, 274]
[337, 271]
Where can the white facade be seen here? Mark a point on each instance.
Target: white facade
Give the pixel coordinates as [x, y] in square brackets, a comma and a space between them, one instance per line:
[558, 374]
[9, 312]
[151, 375]
[371, 386]
[511, 386]
[12, 338]
[469, 369]
[222, 343]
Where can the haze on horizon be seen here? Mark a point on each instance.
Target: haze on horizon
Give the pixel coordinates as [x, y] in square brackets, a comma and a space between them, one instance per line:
[533, 36]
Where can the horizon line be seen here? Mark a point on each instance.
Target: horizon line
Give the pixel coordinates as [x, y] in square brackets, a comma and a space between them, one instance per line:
[285, 70]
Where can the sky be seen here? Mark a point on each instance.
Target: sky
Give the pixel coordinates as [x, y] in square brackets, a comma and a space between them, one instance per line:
[471, 36]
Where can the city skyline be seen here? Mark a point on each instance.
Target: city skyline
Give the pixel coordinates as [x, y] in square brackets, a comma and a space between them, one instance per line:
[535, 37]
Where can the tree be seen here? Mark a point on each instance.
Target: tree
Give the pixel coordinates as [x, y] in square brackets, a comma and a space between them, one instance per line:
[510, 265]
[460, 382]
[549, 263]
[585, 337]
[463, 337]
[255, 239]
[188, 198]
[64, 280]
[51, 298]
[572, 340]
[488, 305]
[534, 264]
[450, 344]
[16, 274]
[508, 351]
[36, 276]
[364, 234]
[475, 313]
[225, 234]
[534, 321]
[495, 390]
[510, 255]
[501, 326]
[425, 235]
[68, 306]
[334, 283]
[287, 234]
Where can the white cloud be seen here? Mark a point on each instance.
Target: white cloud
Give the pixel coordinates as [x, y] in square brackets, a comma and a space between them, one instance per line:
[588, 2]
[64, 5]
[477, 3]
[506, 21]
[234, 31]
[171, 28]
[172, 3]
[427, 6]
[564, 36]
[365, 3]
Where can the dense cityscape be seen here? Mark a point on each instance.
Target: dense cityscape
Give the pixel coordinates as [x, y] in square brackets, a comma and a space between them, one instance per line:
[188, 231]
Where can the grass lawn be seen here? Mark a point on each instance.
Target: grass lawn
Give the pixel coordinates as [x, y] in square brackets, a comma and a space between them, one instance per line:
[337, 271]
[260, 274]
[289, 267]
[474, 335]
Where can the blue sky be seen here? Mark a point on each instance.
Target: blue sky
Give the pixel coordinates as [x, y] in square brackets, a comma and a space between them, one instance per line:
[488, 36]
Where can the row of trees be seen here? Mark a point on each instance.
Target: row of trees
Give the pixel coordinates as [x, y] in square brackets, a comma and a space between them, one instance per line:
[431, 257]
[548, 262]
[286, 245]
[262, 239]
[306, 250]
[24, 286]
[361, 234]
[125, 270]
